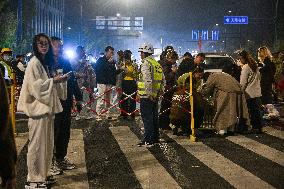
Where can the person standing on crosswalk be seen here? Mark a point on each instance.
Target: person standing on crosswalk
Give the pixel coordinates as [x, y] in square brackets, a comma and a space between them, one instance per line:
[86, 79]
[150, 87]
[106, 73]
[62, 120]
[251, 85]
[40, 101]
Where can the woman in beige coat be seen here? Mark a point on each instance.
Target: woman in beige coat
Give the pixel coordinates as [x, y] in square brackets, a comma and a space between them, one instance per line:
[229, 101]
[39, 100]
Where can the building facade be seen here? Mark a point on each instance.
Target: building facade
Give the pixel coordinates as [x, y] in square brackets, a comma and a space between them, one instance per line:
[48, 18]
[38, 16]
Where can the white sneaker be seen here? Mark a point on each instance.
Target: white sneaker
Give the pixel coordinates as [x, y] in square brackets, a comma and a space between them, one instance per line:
[35, 185]
[78, 117]
[65, 164]
[55, 169]
[222, 132]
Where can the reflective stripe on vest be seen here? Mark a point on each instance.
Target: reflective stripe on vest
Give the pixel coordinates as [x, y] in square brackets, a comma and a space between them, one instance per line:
[156, 76]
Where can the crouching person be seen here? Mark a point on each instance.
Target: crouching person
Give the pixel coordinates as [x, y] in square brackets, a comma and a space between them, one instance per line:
[39, 100]
[180, 109]
[229, 101]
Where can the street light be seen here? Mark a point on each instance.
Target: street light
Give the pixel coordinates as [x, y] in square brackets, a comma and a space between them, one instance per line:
[118, 14]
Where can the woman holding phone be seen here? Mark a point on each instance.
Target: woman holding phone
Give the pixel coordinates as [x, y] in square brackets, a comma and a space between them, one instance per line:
[39, 100]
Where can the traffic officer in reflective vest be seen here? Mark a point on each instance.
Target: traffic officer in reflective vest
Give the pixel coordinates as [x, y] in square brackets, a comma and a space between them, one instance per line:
[150, 88]
[5, 61]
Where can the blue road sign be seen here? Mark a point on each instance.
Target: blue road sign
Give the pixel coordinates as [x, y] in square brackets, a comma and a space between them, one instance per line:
[204, 34]
[215, 35]
[235, 19]
[195, 34]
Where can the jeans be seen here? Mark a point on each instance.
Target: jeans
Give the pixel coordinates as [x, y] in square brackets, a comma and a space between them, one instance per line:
[254, 108]
[62, 125]
[149, 114]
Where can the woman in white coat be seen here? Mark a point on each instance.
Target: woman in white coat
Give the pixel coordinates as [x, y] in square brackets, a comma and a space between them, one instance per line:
[250, 82]
[39, 100]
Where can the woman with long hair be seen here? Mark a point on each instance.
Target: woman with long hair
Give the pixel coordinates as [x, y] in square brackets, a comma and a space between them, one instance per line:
[39, 100]
[250, 82]
[267, 74]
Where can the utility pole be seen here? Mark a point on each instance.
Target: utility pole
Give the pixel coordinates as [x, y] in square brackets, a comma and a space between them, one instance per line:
[162, 43]
[81, 22]
[276, 23]
[225, 41]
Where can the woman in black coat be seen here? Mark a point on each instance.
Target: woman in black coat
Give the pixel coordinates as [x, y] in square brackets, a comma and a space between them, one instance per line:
[267, 74]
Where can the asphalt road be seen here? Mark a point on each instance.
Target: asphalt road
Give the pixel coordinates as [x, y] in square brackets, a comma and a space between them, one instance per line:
[107, 156]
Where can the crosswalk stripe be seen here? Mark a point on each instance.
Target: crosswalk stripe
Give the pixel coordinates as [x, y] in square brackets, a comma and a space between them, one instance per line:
[21, 139]
[76, 155]
[149, 172]
[274, 132]
[231, 172]
[261, 149]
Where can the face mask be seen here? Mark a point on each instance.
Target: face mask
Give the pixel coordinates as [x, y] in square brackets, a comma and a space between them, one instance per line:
[7, 57]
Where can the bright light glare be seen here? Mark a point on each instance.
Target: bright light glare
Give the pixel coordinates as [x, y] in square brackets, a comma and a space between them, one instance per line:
[70, 54]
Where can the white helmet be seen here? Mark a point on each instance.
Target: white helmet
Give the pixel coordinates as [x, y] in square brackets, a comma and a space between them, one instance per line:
[147, 48]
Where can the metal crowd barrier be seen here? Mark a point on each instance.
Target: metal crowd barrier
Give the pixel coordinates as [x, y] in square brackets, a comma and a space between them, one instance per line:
[192, 137]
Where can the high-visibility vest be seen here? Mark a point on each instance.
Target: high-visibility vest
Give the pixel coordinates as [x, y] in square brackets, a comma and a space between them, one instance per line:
[156, 77]
[8, 70]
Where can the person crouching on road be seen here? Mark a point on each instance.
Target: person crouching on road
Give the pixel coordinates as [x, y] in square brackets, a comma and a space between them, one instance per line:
[180, 109]
[62, 120]
[39, 100]
[150, 88]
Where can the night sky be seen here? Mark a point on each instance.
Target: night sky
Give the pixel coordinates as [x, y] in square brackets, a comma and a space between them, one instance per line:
[173, 20]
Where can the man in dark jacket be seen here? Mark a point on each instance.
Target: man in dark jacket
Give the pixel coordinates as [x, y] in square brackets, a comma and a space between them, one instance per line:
[62, 120]
[189, 65]
[106, 79]
[169, 68]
